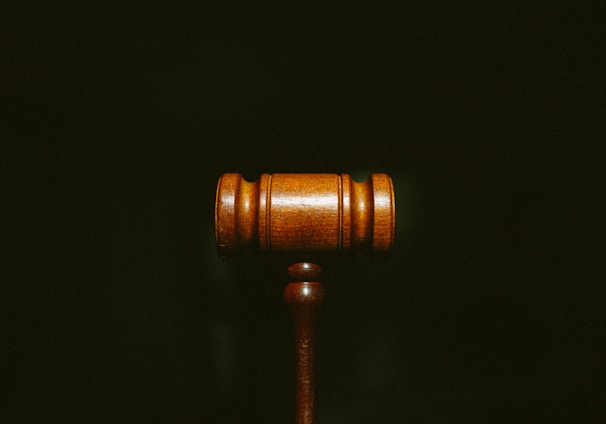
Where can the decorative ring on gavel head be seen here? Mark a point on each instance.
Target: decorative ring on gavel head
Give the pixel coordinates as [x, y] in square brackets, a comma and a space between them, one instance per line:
[305, 213]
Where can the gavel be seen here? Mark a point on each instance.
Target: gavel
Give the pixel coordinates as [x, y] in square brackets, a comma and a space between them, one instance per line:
[305, 218]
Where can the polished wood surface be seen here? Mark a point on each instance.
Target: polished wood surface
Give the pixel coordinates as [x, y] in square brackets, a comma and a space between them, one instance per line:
[306, 213]
[305, 296]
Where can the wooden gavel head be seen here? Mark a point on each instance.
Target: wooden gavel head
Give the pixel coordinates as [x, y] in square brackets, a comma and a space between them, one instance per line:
[305, 214]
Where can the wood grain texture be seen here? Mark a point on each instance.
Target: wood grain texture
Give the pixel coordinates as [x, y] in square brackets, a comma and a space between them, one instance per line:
[305, 296]
[307, 213]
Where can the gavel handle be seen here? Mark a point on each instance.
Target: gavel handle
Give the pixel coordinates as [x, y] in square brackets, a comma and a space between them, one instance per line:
[304, 299]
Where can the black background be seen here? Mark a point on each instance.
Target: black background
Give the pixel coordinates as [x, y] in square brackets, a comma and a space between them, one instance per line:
[118, 120]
